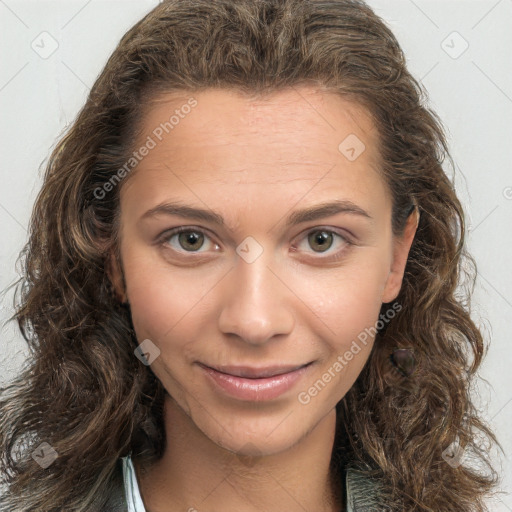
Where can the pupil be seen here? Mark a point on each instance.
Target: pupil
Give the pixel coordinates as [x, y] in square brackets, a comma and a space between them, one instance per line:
[190, 238]
[321, 238]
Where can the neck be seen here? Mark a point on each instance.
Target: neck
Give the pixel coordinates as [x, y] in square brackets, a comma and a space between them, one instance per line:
[196, 474]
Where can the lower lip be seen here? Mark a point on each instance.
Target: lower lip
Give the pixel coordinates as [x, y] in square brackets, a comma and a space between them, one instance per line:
[256, 390]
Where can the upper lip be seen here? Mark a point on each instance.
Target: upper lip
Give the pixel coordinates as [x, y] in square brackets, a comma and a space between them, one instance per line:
[257, 373]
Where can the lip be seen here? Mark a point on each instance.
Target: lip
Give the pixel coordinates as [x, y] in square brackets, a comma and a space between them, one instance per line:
[250, 372]
[255, 384]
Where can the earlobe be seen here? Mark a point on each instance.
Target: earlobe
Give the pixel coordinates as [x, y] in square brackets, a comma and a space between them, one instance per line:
[401, 249]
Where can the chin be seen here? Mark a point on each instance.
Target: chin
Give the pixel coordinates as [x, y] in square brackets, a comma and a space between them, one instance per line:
[255, 445]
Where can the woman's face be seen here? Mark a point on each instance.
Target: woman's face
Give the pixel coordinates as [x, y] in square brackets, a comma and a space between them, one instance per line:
[256, 286]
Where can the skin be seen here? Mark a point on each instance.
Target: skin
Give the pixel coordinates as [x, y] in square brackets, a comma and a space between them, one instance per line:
[254, 161]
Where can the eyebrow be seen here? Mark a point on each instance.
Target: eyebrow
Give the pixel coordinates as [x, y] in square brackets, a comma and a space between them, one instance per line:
[297, 217]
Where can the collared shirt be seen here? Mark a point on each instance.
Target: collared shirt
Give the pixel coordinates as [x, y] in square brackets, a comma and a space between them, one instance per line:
[360, 492]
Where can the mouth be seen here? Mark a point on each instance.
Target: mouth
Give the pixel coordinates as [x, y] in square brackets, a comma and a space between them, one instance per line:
[248, 372]
[252, 384]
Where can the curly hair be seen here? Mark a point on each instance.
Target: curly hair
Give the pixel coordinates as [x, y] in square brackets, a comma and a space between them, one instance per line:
[84, 393]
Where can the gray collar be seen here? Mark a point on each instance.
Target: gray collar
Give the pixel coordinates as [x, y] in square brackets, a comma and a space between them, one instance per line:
[362, 492]
[116, 500]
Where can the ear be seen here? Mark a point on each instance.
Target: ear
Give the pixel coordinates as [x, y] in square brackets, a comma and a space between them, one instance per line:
[401, 247]
[115, 274]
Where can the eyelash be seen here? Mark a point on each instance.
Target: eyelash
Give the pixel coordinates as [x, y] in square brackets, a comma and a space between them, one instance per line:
[164, 239]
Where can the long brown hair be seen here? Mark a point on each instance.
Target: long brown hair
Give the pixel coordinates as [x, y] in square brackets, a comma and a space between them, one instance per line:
[84, 392]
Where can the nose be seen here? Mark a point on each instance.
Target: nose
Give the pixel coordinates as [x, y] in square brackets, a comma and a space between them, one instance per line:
[257, 302]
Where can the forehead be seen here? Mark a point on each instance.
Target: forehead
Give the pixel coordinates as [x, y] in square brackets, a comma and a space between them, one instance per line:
[301, 139]
[298, 117]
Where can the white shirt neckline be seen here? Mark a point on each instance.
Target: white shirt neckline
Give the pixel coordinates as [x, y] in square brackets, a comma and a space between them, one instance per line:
[131, 486]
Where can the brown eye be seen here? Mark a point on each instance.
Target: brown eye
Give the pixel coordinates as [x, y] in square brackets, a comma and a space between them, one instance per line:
[190, 240]
[186, 240]
[323, 239]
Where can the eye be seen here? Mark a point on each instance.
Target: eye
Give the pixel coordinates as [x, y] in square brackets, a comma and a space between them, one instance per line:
[321, 240]
[188, 239]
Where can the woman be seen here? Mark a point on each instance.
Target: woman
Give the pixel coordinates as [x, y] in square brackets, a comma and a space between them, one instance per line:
[191, 348]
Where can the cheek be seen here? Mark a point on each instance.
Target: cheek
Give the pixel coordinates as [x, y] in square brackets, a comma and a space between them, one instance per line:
[154, 305]
[165, 303]
[348, 300]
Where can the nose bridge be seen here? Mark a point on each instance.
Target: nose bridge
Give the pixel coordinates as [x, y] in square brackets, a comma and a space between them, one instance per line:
[255, 306]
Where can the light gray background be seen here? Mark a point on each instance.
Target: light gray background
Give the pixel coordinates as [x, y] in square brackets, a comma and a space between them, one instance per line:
[470, 88]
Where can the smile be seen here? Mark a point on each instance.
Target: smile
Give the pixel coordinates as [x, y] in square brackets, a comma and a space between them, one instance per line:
[255, 384]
